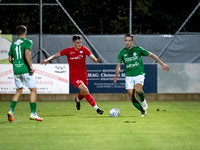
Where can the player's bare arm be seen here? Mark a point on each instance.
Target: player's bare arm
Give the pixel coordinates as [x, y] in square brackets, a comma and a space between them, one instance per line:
[53, 57]
[28, 58]
[94, 59]
[10, 59]
[162, 64]
[117, 71]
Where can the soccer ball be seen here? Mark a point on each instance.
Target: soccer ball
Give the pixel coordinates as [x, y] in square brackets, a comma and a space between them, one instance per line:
[114, 112]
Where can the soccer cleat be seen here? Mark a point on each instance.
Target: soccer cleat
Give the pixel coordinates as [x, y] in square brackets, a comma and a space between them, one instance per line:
[143, 113]
[78, 105]
[144, 104]
[34, 116]
[10, 117]
[99, 111]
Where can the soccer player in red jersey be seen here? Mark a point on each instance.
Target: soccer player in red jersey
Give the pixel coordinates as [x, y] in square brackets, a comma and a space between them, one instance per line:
[76, 56]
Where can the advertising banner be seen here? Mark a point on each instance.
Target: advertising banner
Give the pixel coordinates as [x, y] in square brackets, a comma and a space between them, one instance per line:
[5, 42]
[52, 79]
[182, 78]
[100, 79]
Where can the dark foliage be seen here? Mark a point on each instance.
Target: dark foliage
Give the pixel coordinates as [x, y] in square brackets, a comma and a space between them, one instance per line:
[102, 16]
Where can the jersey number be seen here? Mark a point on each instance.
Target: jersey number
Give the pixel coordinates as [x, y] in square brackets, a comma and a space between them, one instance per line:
[18, 52]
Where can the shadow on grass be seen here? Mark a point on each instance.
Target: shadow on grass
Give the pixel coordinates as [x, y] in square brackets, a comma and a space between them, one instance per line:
[4, 122]
[107, 116]
[58, 115]
[129, 121]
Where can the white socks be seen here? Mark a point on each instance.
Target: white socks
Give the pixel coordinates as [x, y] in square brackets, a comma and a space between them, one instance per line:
[96, 107]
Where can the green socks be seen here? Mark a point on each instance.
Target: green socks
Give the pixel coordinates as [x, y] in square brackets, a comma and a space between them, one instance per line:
[141, 95]
[33, 107]
[137, 105]
[12, 105]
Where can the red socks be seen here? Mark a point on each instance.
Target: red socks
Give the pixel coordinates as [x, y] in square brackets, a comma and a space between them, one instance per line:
[80, 97]
[90, 99]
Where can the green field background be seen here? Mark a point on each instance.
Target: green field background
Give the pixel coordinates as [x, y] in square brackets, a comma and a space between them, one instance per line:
[171, 125]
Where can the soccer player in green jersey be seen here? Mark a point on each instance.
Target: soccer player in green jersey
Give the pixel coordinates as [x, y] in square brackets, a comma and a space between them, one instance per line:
[20, 57]
[135, 75]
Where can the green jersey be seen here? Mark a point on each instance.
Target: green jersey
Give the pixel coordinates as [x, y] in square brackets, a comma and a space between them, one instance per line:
[132, 60]
[17, 52]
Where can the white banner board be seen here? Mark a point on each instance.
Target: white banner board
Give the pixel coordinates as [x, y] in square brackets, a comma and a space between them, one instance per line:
[4, 47]
[50, 79]
[182, 78]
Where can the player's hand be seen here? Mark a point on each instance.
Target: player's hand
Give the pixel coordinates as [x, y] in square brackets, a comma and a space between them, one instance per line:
[31, 71]
[44, 62]
[98, 60]
[165, 67]
[115, 78]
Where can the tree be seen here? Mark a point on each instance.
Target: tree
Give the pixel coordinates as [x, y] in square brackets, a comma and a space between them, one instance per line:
[102, 16]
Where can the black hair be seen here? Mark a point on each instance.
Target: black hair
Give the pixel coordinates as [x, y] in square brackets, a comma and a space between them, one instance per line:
[21, 29]
[129, 35]
[76, 37]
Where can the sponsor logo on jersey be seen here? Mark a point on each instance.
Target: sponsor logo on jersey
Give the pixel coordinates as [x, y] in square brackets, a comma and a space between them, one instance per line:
[133, 58]
[134, 54]
[72, 52]
[18, 42]
[77, 57]
[136, 64]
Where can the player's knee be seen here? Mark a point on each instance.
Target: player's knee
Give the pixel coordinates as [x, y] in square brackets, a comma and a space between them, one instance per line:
[34, 90]
[85, 91]
[19, 91]
[138, 90]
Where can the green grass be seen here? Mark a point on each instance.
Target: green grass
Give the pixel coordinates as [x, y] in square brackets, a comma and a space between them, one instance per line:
[176, 126]
[7, 36]
[4, 61]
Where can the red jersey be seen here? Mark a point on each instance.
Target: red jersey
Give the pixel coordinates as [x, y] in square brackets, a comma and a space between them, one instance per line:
[76, 60]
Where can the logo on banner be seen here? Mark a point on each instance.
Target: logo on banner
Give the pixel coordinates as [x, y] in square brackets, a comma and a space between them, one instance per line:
[60, 69]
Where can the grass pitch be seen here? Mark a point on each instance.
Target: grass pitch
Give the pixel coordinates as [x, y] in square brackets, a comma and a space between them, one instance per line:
[167, 126]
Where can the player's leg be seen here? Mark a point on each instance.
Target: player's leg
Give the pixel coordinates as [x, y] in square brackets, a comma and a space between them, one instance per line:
[81, 93]
[138, 89]
[137, 104]
[140, 93]
[76, 82]
[130, 81]
[83, 88]
[31, 84]
[19, 87]
[131, 93]
[78, 99]
[33, 97]
[13, 104]
[80, 96]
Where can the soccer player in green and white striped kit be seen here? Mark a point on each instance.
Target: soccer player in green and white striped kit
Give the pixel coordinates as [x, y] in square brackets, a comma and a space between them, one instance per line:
[20, 57]
[135, 75]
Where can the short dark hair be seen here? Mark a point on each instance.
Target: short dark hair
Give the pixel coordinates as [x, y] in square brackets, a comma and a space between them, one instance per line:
[129, 35]
[76, 37]
[21, 29]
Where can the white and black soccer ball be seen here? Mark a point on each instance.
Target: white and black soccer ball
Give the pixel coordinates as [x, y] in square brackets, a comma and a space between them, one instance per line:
[114, 112]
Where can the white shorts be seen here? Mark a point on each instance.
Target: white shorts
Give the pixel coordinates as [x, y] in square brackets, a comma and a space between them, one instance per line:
[25, 79]
[132, 81]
